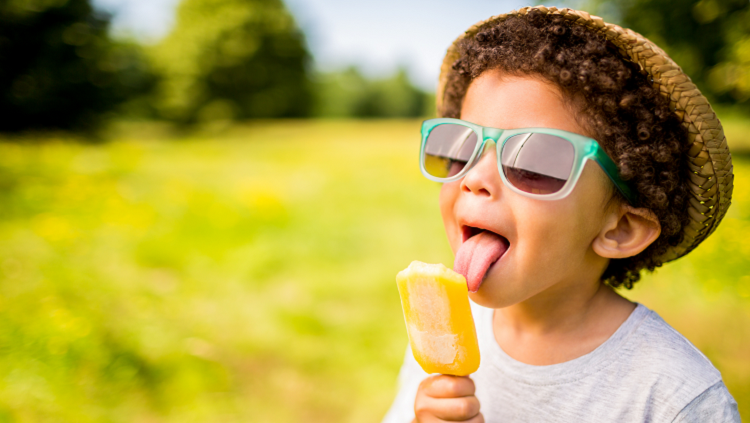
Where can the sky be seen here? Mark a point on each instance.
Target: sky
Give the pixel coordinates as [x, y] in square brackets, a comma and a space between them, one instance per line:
[376, 36]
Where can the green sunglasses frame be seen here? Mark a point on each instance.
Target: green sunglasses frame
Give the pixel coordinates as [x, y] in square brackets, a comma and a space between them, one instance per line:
[585, 149]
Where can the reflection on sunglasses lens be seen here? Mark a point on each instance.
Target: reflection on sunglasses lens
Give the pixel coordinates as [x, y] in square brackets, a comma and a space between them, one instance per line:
[447, 150]
[532, 182]
[537, 163]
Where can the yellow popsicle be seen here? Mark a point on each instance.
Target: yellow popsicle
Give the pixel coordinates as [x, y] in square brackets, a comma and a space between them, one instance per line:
[441, 329]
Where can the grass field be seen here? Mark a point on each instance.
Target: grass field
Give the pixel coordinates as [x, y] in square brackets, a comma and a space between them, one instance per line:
[248, 275]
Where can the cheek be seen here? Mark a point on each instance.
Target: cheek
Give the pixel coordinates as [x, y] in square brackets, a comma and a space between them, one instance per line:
[448, 196]
[558, 234]
[543, 228]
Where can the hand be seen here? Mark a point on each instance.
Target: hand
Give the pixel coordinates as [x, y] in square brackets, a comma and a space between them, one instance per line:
[447, 398]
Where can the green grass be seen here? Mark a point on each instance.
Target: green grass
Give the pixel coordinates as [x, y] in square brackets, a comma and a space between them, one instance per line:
[249, 275]
[736, 125]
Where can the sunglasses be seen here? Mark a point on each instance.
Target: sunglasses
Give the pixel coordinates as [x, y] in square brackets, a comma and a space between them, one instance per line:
[540, 163]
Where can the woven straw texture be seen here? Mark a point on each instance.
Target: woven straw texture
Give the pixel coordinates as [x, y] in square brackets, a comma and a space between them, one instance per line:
[709, 161]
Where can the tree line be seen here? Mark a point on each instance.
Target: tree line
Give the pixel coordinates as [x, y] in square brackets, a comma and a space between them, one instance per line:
[224, 60]
[244, 59]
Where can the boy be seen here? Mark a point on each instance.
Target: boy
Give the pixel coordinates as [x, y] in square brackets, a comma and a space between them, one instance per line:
[546, 221]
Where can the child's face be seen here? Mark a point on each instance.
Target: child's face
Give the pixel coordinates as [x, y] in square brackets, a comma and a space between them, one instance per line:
[550, 250]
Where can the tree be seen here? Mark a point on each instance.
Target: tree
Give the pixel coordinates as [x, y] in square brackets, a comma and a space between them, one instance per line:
[709, 39]
[348, 94]
[60, 69]
[229, 59]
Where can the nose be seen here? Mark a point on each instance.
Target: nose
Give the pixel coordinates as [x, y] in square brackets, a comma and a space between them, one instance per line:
[484, 179]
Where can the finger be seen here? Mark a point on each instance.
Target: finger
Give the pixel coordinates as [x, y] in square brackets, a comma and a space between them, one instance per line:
[444, 386]
[448, 409]
[476, 419]
[457, 409]
[479, 418]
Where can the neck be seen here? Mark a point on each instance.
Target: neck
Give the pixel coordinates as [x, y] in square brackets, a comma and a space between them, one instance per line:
[557, 311]
[561, 324]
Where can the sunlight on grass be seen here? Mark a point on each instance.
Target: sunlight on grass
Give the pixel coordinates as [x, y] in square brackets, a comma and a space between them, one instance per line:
[250, 275]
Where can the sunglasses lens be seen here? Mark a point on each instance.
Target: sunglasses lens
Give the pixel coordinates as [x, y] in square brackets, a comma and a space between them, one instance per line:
[447, 150]
[537, 163]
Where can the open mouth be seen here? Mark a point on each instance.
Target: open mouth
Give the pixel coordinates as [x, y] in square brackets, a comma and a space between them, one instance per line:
[480, 249]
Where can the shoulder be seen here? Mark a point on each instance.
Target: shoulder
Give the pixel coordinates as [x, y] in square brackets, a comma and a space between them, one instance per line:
[672, 368]
[664, 351]
[715, 404]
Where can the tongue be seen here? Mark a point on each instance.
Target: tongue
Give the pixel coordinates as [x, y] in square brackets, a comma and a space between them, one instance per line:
[476, 255]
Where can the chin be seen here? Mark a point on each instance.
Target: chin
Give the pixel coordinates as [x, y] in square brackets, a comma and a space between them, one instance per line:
[505, 291]
[486, 298]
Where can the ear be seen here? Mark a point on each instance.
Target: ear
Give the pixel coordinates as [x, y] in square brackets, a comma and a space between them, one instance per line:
[626, 232]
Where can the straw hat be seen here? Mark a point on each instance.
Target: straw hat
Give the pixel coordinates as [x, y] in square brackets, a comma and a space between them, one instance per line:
[709, 161]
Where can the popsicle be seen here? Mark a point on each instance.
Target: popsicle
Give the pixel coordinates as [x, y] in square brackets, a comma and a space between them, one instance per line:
[438, 319]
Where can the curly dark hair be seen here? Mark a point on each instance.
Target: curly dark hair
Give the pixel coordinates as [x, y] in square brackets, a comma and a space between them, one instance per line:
[614, 100]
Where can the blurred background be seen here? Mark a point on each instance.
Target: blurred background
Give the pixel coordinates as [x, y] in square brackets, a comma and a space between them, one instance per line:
[204, 203]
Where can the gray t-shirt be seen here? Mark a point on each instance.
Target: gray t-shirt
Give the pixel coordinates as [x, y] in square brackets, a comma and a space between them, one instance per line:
[645, 372]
